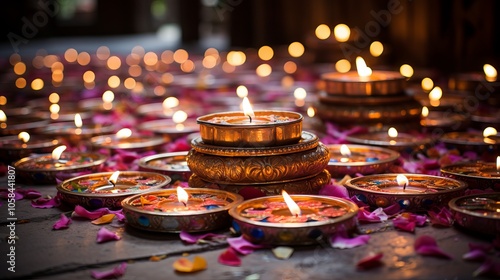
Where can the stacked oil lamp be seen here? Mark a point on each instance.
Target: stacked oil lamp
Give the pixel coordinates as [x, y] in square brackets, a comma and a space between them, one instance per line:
[257, 153]
[366, 97]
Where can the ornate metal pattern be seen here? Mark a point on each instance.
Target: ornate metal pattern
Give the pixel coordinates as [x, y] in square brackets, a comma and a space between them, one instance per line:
[472, 212]
[471, 173]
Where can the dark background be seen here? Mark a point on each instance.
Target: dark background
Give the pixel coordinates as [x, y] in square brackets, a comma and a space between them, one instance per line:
[447, 35]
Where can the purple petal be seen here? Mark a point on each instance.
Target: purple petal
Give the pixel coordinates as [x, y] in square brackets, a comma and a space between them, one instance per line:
[340, 241]
[243, 246]
[479, 246]
[229, 257]
[370, 261]
[376, 216]
[104, 235]
[334, 189]
[474, 255]
[116, 272]
[426, 245]
[404, 224]
[193, 238]
[29, 193]
[62, 223]
[92, 215]
[44, 203]
[358, 202]
[4, 193]
[392, 209]
[441, 217]
[488, 268]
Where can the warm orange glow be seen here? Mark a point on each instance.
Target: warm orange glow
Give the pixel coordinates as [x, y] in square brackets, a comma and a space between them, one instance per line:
[182, 195]
[159, 90]
[323, 31]
[300, 93]
[180, 56]
[264, 70]
[56, 153]
[436, 93]
[57, 76]
[78, 120]
[167, 78]
[54, 108]
[102, 53]
[88, 76]
[179, 116]
[406, 70]
[114, 62]
[187, 66]
[342, 32]
[57, 66]
[376, 48]
[138, 50]
[167, 57]
[3, 100]
[3, 117]
[427, 84]
[83, 58]
[490, 72]
[38, 62]
[363, 70]
[19, 68]
[236, 58]
[402, 180]
[124, 133]
[129, 83]
[290, 67]
[24, 136]
[344, 150]
[292, 206]
[425, 111]
[242, 91]
[37, 84]
[498, 163]
[132, 59]
[489, 131]
[108, 96]
[227, 67]
[311, 112]
[150, 58]
[114, 81]
[343, 66]
[287, 82]
[135, 70]
[114, 177]
[70, 55]
[21, 82]
[265, 53]
[170, 102]
[212, 52]
[392, 132]
[247, 108]
[296, 49]
[14, 58]
[54, 97]
[49, 60]
[209, 62]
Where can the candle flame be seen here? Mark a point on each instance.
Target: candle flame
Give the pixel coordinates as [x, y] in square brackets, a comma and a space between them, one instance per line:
[78, 120]
[24, 136]
[124, 133]
[392, 132]
[3, 117]
[363, 70]
[56, 153]
[490, 72]
[489, 131]
[182, 195]
[344, 150]
[292, 206]
[247, 108]
[498, 163]
[425, 111]
[436, 93]
[114, 177]
[402, 180]
[179, 116]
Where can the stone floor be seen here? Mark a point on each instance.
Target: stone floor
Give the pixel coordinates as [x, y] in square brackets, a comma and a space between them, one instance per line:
[43, 253]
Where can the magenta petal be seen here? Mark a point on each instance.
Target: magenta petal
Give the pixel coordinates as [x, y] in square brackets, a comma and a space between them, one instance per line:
[62, 223]
[377, 215]
[443, 217]
[335, 190]
[404, 224]
[358, 202]
[46, 202]
[28, 193]
[341, 242]
[488, 268]
[243, 246]
[104, 235]
[229, 257]
[426, 245]
[474, 255]
[370, 261]
[393, 209]
[193, 238]
[116, 272]
[479, 246]
[92, 215]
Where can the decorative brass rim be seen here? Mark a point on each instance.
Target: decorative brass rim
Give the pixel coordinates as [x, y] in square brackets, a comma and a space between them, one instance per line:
[145, 162]
[97, 160]
[368, 139]
[149, 142]
[469, 139]
[456, 205]
[391, 83]
[308, 141]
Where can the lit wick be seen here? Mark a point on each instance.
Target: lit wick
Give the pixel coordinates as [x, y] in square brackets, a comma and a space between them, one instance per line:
[182, 196]
[292, 206]
[402, 180]
[247, 108]
[114, 178]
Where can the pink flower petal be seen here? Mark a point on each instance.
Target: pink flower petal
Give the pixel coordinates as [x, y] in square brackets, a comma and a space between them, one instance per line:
[91, 215]
[341, 241]
[358, 202]
[474, 255]
[404, 224]
[426, 245]
[482, 247]
[441, 217]
[376, 216]
[193, 238]
[114, 273]
[393, 209]
[44, 203]
[229, 257]
[334, 189]
[29, 193]
[370, 261]
[488, 268]
[104, 235]
[242, 246]
[62, 223]
[4, 193]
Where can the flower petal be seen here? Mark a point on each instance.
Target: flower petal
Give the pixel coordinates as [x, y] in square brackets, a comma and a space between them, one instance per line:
[104, 235]
[404, 224]
[334, 189]
[340, 241]
[91, 215]
[282, 252]
[62, 223]
[441, 217]
[44, 203]
[488, 268]
[376, 216]
[426, 245]
[29, 193]
[474, 255]
[185, 265]
[370, 261]
[193, 238]
[229, 257]
[393, 209]
[105, 219]
[114, 273]
[242, 246]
